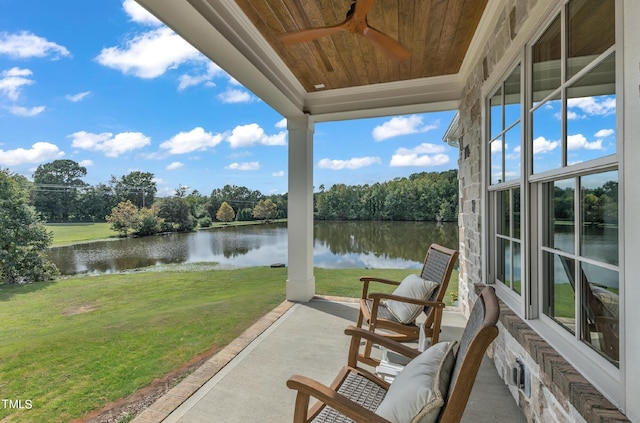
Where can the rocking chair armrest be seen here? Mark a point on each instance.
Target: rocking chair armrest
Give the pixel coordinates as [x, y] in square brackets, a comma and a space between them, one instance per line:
[358, 334]
[377, 296]
[381, 280]
[367, 279]
[308, 387]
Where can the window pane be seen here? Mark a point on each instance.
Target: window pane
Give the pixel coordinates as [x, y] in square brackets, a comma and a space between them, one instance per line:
[505, 253]
[558, 290]
[599, 208]
[560, 231]
[500, 259]
[517, 265]
[497, 174]
[547, 133]
[504, 214]
[516, 213]
[512, 153]
[591, 114]
[496, 113]
[546, 62]
[599, 310]
[591, 31]
[512, 98]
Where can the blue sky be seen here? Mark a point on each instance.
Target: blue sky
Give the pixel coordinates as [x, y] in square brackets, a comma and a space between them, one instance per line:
[106, 85]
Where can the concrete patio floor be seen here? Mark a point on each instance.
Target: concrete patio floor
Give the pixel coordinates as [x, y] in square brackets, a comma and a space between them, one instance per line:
[246, 382]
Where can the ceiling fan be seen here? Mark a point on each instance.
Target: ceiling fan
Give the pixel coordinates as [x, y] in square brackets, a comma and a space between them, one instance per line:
[356, 22]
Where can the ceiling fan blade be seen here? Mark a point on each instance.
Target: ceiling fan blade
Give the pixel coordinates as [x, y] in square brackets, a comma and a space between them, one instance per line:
[310, 34]
[362, 8]
[387, 45]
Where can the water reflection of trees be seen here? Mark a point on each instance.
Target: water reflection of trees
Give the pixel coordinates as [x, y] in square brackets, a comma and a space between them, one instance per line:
[406, 240]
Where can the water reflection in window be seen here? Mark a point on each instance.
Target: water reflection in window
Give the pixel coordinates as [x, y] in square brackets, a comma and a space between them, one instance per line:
[560, 228]
[599, 210]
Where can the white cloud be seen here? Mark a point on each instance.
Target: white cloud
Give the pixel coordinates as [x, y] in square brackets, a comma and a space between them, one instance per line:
[25, 45]
[278, 174]
[195, 140]
[355, 163]
[400, 125]
[107, 143]
[77, 97]
[542, 145]
[174, 166]
[12, 81]
[39, 152]
[578, 141]
[423, 155]
[604, 133]
[212, 71]
[26, 112]
[139, 14]
[243, 166]
[252, 134]
[571, 115]
[235, 96]
[281, 124]
[86, 163]
[150, 54]
[593, 105]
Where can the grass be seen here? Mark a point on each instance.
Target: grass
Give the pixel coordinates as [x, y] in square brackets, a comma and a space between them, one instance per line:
[76, 344]
[75, 233]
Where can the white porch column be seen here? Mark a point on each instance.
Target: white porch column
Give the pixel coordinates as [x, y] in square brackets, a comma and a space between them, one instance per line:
[301, 284]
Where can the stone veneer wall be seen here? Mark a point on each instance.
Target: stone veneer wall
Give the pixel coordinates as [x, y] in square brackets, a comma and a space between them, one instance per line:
[558, 392]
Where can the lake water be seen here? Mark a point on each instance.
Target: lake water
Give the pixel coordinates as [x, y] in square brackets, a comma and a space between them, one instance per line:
[336, 245]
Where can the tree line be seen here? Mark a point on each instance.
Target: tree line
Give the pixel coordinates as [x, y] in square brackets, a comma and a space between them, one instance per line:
[59, 193]
[426, 196]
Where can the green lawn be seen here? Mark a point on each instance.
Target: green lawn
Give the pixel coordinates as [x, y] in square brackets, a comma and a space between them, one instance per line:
[73, 233]
[64, 234]
[74, 345]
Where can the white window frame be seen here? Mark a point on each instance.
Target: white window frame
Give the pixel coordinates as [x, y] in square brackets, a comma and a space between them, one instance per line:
[609, 379]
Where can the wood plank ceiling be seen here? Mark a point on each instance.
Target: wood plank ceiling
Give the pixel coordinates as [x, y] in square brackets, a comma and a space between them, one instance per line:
[437, 32]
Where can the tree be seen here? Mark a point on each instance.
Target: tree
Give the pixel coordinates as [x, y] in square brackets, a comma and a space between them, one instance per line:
[96, 203]
[56, 194]
[225, 213]
[24, 236]
[265, 209]
[150, 223]
[237, 197]
[137, 187]
[124, 217]
[176, 214]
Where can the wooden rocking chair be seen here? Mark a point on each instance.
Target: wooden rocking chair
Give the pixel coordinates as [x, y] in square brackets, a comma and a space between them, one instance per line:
[375, 307]
[443, 378]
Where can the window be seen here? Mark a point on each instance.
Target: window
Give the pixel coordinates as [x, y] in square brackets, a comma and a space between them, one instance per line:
[554, 169]
[506, 169]
[590, 203]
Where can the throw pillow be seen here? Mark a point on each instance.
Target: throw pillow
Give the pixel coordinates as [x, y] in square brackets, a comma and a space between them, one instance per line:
[413, 286]
[417, 394]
